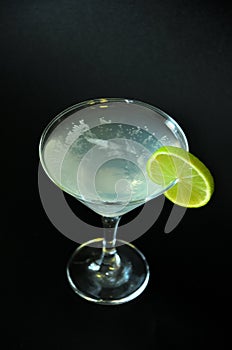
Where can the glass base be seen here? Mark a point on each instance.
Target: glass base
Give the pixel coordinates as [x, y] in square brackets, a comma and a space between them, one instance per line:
[101, 284]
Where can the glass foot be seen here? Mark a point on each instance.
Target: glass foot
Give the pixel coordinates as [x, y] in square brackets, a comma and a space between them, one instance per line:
[97, 282]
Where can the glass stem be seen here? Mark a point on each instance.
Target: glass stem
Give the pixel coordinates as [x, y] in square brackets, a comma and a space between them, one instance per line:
[110, 257]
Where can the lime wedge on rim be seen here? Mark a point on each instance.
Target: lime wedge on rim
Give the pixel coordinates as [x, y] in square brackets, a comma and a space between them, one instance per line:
[194, 183]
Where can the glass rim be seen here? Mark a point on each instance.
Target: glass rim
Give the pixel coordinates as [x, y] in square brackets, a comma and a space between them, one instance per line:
[92, 102]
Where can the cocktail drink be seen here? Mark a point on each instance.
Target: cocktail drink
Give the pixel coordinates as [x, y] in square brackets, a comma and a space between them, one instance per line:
[97, 151]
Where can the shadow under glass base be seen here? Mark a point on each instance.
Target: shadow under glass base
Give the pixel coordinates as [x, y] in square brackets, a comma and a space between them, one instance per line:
[97, 283]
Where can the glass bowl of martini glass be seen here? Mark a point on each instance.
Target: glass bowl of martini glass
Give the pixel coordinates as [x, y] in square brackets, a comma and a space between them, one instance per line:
[96, 151]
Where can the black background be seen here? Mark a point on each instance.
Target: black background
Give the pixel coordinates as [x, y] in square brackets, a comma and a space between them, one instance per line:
[175, 55]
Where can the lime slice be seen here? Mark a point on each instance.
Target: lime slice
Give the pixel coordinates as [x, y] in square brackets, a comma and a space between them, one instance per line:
[194, 182]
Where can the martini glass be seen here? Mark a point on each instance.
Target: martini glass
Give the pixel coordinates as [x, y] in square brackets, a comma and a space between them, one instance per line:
[97, 152]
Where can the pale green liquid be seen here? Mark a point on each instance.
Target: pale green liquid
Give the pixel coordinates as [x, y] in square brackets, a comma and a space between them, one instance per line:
[105, 168]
